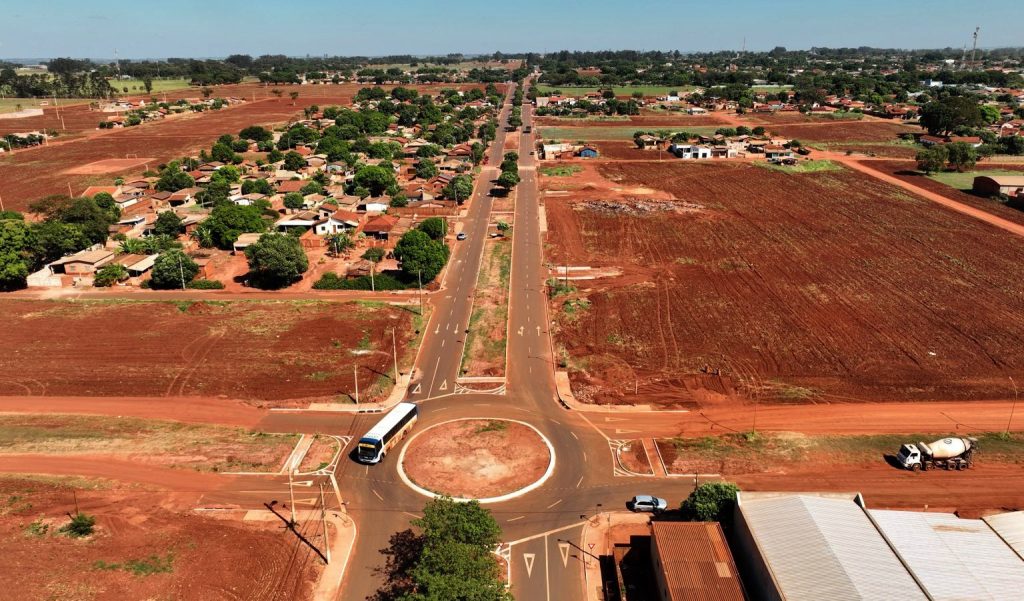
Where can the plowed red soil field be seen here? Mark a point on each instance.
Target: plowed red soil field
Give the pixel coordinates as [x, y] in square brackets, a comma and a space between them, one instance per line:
[198, 557]
[31, 174]
[644, 121]
[797, 287]
[263, 352]
[844, 131]
[907, 171]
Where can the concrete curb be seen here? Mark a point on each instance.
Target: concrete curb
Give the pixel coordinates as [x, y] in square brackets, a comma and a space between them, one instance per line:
[512, 495]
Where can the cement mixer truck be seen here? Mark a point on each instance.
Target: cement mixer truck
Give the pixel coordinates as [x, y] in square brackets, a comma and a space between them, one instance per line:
[947, 453]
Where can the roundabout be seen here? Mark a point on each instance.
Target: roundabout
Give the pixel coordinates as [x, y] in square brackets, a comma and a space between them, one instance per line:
[485, 459]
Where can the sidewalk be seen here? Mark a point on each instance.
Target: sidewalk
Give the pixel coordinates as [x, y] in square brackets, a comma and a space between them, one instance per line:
[566, 397]
[397, 394]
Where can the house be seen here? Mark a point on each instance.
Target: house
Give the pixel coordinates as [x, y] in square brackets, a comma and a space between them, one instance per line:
[374, 206]
[380, 227]
[339, 221]
[646, 141]
[690, 151]
[588, 152]
[304, 219]
[137, 265]
[244, 241]
[774, 152]
[85, 262]
[94, 190]
[183, 197]
[696, 110]
[291, 185]
[550, 151]
[691, 560]
[995, 185]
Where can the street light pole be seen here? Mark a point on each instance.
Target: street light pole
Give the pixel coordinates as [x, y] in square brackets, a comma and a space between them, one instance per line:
[1013, 407]
[355, 374]
[394, 352]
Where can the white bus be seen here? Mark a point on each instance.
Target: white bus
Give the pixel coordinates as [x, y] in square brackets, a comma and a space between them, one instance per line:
[385, 435]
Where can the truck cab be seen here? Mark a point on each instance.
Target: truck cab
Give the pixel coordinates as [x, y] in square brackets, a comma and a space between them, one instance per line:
[909, 456]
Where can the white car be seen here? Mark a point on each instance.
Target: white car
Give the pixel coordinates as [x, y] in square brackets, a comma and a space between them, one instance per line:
[461, 236]
[646, 503]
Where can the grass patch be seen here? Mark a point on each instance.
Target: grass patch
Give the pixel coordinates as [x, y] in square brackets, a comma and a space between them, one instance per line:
[965, 181]
[493, 425]
[154, 564]
[135, 86]
[574, 306]
[613, 133]
[558, 287]
[11, 105]
[490, 313]
[561, 171]
[803, 166]
[318, 376]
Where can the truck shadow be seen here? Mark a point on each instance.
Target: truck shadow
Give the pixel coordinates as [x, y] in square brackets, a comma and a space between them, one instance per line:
[893, 461]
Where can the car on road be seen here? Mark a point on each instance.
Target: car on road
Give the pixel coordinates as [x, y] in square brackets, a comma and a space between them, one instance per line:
[646, 503]
[461, 236]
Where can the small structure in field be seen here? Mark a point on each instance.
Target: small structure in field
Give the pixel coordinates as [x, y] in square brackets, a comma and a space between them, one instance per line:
[996, 185]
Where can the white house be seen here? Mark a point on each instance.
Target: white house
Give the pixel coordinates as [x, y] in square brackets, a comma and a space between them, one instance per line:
[690, 151]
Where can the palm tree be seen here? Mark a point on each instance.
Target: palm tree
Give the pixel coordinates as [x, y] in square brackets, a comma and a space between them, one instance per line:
[203, 236]
[133, 246]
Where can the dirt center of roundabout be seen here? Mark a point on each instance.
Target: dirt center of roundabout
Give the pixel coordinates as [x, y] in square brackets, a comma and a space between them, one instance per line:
[477, 458]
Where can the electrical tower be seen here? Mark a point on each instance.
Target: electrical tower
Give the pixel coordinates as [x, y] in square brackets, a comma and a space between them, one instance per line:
[974, 46]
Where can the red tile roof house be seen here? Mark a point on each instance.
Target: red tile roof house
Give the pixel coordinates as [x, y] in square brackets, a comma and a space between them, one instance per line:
[292, 185]
[379, 227]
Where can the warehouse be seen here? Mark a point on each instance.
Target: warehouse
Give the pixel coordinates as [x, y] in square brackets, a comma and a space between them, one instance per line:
[994, 185]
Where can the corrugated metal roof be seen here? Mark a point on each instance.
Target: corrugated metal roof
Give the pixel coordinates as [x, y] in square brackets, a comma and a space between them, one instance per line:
[696, 560]
[825, 548]
[954, 559]
[1010, 527]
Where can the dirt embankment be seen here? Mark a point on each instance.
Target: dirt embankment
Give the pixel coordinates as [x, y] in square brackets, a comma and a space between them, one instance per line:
[140, 550]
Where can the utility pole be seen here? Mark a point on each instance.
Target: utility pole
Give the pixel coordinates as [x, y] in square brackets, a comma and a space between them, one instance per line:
[394, 352]
[291, 494]
[181, 271]
[323, 519]
[419, 278]
[355, 374]
[1013, 407]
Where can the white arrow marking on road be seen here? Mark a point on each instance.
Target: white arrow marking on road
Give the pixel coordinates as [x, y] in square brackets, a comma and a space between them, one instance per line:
[418, 388]
[618, 431]
[538, 330]
[443, 386]
[563, 548]
[520, 330]
[614, 419]
[528, 558]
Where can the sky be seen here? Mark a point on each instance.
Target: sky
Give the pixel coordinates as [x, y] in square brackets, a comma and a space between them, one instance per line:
[217, 28]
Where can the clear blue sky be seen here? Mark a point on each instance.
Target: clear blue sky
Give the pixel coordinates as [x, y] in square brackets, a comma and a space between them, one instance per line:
[189, 28]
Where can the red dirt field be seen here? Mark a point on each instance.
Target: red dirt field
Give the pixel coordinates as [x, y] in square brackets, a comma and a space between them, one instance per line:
[627, 150]
[844, 131]
[263, 352]
[110, 166]
[260, 561]
[907, 171]
[798, 287]
[78, 118]
[31, 174]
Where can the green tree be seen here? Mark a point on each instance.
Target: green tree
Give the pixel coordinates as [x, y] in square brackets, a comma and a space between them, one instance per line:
[257, 186]
[932, 160]
[508, 180]
[54, 239]
[173, 269]
[110, 274]
[374, 178]
[710, 502]
[962, 156]
[293, 201]
[168, 224]
[426, 169]
[989, 114]
[256, 134]
[16, 241]
[435, 227]
[374, 254]
[293, 161]
[276, 260]
[942, 117]
[172, 178]
[81, 525]
[228, 221]
[460, 188]
[419, 255]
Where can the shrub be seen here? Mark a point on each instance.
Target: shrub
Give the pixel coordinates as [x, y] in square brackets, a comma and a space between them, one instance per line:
[109, 274]
[206, 285]
[81, 525]
[710, 502]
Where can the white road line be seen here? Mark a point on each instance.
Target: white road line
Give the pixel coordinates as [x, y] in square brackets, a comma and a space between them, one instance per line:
[433, 377]
[516, 518]
[584, 456]
[574, 435]
[547, 580]
[553, 504]
[376, 494]
[580, 481]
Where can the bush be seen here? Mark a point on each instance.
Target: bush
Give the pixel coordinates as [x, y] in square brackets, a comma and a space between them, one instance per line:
[206, 285]
[109, 274]
[81, 525]
[710, 502]
[388, 280]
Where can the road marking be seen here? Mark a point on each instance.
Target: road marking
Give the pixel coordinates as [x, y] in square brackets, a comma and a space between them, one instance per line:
[436, 365]
[563, 548]
[584, 456]
[528, 558]
[538, 330]
[377, 494]
[574, 435]
[303, 483]
[614, 419]
[444, 385]
[555, 421]
[520, 330]
[418, 389]
[547, 577]
[413, 515]
[578, 482]
[620, 431]
[516, 518]
[437, 330]
[553, 504]
[443, 340]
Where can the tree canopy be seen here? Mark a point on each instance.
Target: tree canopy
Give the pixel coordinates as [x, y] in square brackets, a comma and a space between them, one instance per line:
[435, 227]
[418, 254]
[943, 117]
[173, 269]
[276, 260]
[710, 502]
[375, 178]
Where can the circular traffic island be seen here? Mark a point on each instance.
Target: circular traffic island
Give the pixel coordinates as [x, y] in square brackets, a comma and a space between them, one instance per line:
[484, 459]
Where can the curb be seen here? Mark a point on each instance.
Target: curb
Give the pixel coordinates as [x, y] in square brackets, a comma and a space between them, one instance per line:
[512, 495]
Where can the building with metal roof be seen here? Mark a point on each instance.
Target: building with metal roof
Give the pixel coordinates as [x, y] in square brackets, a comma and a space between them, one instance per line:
[817, 546]
[1010, 528]
[952, 558]
[692, 562]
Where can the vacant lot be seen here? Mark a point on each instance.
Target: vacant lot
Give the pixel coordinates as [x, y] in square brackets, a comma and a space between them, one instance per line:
[647, 120]
[784, 287]
[619, 90]
[605, 132]
[140, 550]
[844, 131]
[258, 351]
[204, 448]
[136, 86]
